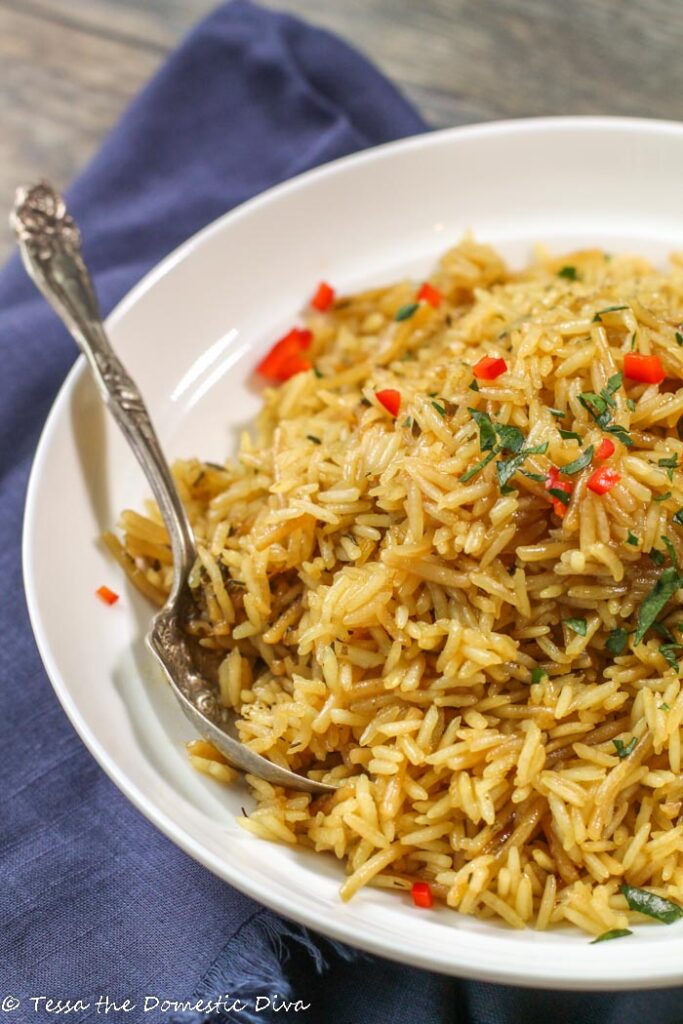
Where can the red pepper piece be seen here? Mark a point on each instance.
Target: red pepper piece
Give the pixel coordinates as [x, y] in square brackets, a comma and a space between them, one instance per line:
[489, 367]
[555, 483]
[390, 399]
[292, 344]
[296, 363]
[422, 894]
[603, 480]
[324, 297]
[646, 369]
[605, 451]
[107, 595]
[428, 293]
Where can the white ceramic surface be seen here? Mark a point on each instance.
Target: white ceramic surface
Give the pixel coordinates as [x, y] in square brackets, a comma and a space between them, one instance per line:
[191, 332]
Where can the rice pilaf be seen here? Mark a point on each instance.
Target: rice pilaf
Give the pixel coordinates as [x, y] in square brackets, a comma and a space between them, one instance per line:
[461, 604]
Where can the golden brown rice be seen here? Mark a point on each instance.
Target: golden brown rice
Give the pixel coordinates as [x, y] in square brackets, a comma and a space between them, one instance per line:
[379, 619]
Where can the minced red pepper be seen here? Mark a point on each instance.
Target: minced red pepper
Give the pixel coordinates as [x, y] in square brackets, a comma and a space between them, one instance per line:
[489, 367]
[428, 293]
[390, 399]
[107, 595]
[284, 358]
[645, 369]
[422, 894]
[603, 480]
[324, 297]
[605, 450]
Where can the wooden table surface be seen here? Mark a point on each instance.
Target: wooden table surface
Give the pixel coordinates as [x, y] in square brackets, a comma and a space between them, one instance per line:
[69, 67]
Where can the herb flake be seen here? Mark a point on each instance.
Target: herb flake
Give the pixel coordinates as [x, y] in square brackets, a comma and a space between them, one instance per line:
[473, 470]
[579, 626]
[610, 309]
[578, 464]
[657, 598]
[669, 464]
[405, 312]
[613, 933]
[616, 641]
[571, 435]
[624, 750]
[487, 432]
[650, 904]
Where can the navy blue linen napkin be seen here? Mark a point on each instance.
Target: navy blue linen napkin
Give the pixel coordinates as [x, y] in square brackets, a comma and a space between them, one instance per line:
[94, 902]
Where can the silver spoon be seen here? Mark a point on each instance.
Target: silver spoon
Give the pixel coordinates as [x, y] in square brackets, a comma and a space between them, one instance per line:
[50, 247]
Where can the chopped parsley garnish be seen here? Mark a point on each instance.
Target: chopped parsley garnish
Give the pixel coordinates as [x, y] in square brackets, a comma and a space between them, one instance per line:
[408, 421]
[507, 468]
[473, 470]
[632, 539]
[631, 404]
[664, 707]
[613, 933]
[668, 544]
[596, 406]
[578, 464]
[616, 642]
[657, 557]
[405, 312]
[317, 373]
[621, 433]
[671, 653]
[570, 273]
[669, 464]
[662, 497]
[510, 439]
[624, 751]
[679, 337]
[440, 409]
[579, 626]
[678, 517]
[633, 340]
[560, 495]
[610, 309]
[613, 385]
[654, 602]
[538, 477]
[650, 904]
[600, 406]
[313, 438]
[495, 438]
[556, 412]
[487, 432]
[571, 435]
[538, 674]
[474, 386]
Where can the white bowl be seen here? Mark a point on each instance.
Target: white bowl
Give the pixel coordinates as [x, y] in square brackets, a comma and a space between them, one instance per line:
[191, 332]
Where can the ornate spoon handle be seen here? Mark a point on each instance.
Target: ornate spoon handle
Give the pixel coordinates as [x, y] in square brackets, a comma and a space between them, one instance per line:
[50, 247]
